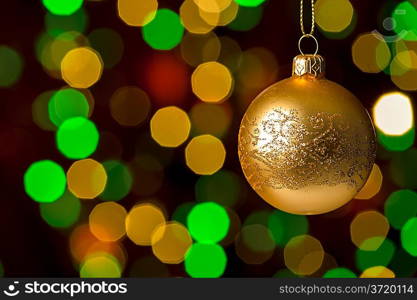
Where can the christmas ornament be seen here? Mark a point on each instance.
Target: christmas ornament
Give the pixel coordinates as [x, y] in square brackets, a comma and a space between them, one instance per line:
[306, 144]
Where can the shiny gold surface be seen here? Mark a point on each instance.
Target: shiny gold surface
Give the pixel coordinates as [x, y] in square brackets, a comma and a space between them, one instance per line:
[306, 145]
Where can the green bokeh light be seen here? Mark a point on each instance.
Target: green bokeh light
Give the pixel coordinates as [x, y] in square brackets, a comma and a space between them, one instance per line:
[11, 65]
[205, 261]
[258, 217]
[257, 238]
[62, 213]
[62, 7]
[222, 187]
[339, 273]
[67, 103]
[55, 24]
[249, 3]
[109, 43]
[119, 181]
[380, 257]
[403, 264]
[100, 265]
[208, 222]
[45, 181]
[397, 142]
[77, 138]
[405, 17]
[285, 226]
[165, 31]
[400, 206]
[247, 18]
[403, 169]
[181, 212]
[409, 236]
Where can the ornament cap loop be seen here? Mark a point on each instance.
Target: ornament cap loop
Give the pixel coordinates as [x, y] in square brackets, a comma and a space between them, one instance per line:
[308, 64]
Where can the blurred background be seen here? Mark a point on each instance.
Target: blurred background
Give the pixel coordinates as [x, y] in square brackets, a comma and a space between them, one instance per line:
[118, 134]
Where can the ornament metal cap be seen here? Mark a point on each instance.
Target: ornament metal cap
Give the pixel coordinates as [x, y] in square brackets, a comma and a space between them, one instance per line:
[308, 64]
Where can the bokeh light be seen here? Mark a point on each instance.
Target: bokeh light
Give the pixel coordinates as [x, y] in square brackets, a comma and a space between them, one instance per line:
[393, 114]
[400, 206]
[170, 242]
[11, 66]
[406, 21]
[205, 154]
[40, 113]
[109, 44]
[170, 126]
[62, 7]
[222, 17]
[212, 5]
[86, 178]
[67, 103]
[58, 24]
[208, 222]
[247, 18]
[303, 254]
[165, 31]
[141, 222]
[101, 265]
[45, 181]
[381, 256]
[409, 236]
[366, 225]
[191, 19]
[77, 138]
[372, 185]
[212, 82]
[210, 118]
[119, 181]
[402, 168]
[62, 213]
[257, 238]
[285, 226]
[129, 106]
[249, 3]
[333, 15]
[339, 273]
[205, 261]
[200, 48]
[371, 53]
[223, 187]
[107, 221]
[137, 13]
[377, 272]
[81, 67]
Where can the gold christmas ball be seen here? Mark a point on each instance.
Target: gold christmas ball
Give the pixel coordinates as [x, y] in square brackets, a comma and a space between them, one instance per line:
[306, 144]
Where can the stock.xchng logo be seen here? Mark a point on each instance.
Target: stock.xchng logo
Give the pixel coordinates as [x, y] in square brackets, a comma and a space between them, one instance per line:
[12, 290]
[71, 289]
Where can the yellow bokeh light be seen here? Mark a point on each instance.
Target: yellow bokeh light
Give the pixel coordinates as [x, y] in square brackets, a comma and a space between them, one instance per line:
[368, 230]
[141, 222]
[370, 53]
[212, 82]
[191, 19]
[205, 154]
[378, 272]
[303, 255]
[221, 18]
[213, 6]
[403, 70]
[170, 242]
[393, 114]
[137, 12]
[100, 265]
[129, 106]
[107, 221]
[86, 178]
[210, 118]
[200, 48]
[372, 185]
[81, 67]
[334, 15]
[170, 126]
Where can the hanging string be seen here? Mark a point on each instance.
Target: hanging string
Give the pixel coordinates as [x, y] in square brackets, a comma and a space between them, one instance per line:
[302, 18]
